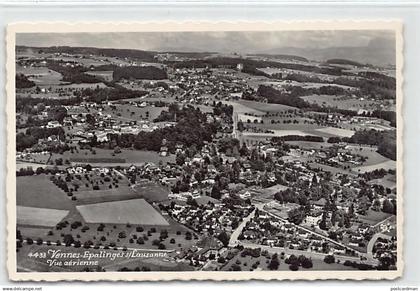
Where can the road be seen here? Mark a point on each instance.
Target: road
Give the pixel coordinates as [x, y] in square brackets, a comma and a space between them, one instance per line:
[372, 242]
[383, 221]
[233, 241]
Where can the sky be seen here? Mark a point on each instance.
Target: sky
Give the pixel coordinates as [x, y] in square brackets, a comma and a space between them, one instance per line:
[223, 42]
[243, 42]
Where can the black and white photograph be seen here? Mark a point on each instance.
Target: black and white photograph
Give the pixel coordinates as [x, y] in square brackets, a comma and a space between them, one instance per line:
[216, 153]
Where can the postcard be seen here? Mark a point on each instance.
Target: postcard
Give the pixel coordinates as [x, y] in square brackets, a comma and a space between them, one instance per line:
[205, 151]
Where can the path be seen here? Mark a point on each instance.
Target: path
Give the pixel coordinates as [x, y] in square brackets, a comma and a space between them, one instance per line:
[233, 241]
[372, 241]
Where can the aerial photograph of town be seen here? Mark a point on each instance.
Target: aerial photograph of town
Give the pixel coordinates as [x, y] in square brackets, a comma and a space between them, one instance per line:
[206, 151]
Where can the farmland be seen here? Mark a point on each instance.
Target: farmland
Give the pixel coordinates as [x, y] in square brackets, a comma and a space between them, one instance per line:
[39, 191]
[39, 216]
[344, 102]
[42, 76]
[107, 156]
[374, 217]
[387, 165]
[126, 111]
[136, 211]
[250, 263]
[152, 192]
[105, 195]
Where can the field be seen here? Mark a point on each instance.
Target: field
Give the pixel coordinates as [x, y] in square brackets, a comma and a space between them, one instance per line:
[373, 217]
[389, 181]
[105, 195]
[39, 216]
[301, 128]
[387, 165]
[262, 107]
[282, 210]
[136, 211]
[343, 102]
[39, 191]
[336, 131]
[41, 157]
[277, 132]
[131, 112]
[309, 144]
[42, 76]
[152, 192]
[105, 156]
[246, 264]
[106, 75]
[33, 231]
[154, 264]
[327, 168]
[82, 86]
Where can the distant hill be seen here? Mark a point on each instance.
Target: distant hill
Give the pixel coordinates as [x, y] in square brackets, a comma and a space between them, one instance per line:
[106, 52]
[197, 55]
[282, 57]
[344, 62]
[370, 54]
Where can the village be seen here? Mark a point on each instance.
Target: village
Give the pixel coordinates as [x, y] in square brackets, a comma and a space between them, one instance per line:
[224, 162]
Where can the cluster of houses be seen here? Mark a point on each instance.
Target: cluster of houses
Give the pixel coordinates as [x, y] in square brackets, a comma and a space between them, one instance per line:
[210, 218]
[264, 230]
[201, 84]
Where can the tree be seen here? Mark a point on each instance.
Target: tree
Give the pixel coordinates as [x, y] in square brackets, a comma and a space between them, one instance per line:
[188, 235]
[163, 234]
[224, 238]
[388, 207]
[376, 205]
[294, 267]
[323, 222]
[180, 158]
[215, 191]
[329, 259]
[68, 239]
[305, 262]
[274, 263]
[296, 215]
[39, 170]
[240, 126]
